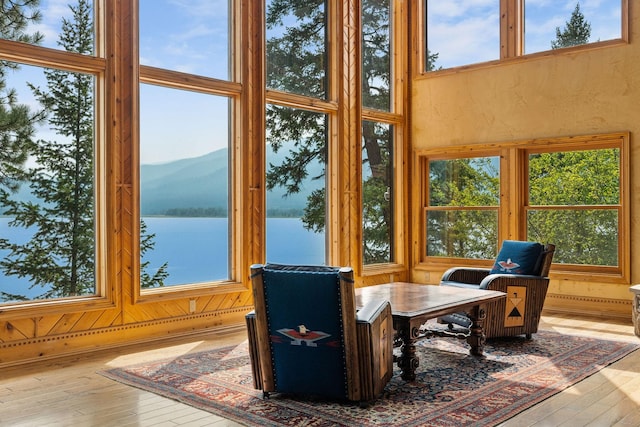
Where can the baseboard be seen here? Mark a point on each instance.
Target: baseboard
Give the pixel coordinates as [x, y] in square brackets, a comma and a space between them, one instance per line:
[50, 347]
[606, 308]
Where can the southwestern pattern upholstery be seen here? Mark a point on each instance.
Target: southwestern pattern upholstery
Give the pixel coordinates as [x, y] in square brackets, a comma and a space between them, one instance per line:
[521, 270]
[305, 337]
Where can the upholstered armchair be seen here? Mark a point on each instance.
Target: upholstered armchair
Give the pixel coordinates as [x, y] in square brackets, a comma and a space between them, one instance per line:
[521, 270]
[306, 338]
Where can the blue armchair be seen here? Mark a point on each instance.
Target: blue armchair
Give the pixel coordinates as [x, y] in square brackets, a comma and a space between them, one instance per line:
[305, 337]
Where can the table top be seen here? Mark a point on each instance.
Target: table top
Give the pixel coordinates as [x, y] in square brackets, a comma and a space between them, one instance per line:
[413, 299]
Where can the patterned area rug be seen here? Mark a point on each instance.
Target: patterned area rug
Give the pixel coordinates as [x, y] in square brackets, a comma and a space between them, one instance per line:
[452, 388]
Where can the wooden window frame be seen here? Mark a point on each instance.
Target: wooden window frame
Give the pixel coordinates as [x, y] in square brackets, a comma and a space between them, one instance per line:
[620, 273]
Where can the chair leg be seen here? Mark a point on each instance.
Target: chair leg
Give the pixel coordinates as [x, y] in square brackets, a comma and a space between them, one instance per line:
[527, 336]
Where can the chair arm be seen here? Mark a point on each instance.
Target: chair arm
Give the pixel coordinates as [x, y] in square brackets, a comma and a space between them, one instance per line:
[465, 275]
[371, 311]
[536, 289]
[499, 282]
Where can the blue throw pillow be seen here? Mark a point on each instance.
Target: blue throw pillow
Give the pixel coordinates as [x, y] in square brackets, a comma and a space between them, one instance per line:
[517, 257]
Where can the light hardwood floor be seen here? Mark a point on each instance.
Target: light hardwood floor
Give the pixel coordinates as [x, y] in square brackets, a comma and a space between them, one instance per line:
[68, 392]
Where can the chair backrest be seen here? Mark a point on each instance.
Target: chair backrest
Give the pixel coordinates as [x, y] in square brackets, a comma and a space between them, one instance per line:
[521, 257]
[305, 328]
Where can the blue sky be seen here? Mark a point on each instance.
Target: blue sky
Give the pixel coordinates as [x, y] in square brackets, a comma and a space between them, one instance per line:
[192, 36]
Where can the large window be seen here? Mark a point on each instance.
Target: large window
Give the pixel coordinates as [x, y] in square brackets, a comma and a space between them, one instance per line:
[461, 33]
[158, 148]
[309, 132]
[574, 197]
[184, 148]
[382, 119]
[297, 138]
[51, 150]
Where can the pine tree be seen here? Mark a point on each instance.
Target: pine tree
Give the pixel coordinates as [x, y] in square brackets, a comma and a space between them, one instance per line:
[60, 254]
[576, 31]
[16, 120]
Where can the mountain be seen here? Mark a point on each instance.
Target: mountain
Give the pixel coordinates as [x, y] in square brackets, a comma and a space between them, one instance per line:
[186, 184]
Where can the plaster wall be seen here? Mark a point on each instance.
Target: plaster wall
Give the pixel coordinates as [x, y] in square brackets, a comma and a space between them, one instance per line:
[590, 91]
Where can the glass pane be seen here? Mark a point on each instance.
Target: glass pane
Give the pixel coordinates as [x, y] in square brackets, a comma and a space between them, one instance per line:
[296, 47]
[377, 193]
[184, 190]
[588, 237]
[590, 177]
[552, 25]
[190, 37]
[296, 185]
[47, 207]
[462, 234]
[465, 182]
[376, 54]
[41, 22]
[461, 32]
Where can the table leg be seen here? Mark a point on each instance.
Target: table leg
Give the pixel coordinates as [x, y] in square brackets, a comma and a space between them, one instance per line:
[476, 335]
[408, 361]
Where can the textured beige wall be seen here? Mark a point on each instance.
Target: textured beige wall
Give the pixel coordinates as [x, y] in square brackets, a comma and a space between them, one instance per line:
[585, 92]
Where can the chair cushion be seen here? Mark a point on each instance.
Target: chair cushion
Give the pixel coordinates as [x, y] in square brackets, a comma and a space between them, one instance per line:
[517, 257]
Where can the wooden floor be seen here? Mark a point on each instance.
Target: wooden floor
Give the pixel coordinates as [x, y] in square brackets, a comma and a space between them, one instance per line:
[68, 392]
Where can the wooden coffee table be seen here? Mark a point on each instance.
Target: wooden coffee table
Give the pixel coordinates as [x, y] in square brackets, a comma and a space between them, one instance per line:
[413, 304]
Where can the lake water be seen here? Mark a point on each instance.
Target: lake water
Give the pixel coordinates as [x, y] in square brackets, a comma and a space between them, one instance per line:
[197, 249]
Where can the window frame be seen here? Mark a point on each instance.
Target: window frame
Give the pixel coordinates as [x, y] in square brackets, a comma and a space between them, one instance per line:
[511, 39]
[513, 207]
[621, 272]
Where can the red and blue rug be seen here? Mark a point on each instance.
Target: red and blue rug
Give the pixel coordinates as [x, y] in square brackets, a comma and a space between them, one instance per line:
[452, 388]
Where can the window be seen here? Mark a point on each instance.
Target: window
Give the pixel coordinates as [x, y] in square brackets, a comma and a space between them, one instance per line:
[297, 48]
[462, 33]
[381, 122]
[377, 193]
[377, 40]
[463, 199]
[190, 37]
[184, 144]
[184, 183]
[296, 186]
[41, 22]
[51, 154]
[572, 192]
[581, 190]
[297, 137]
[554, 26]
